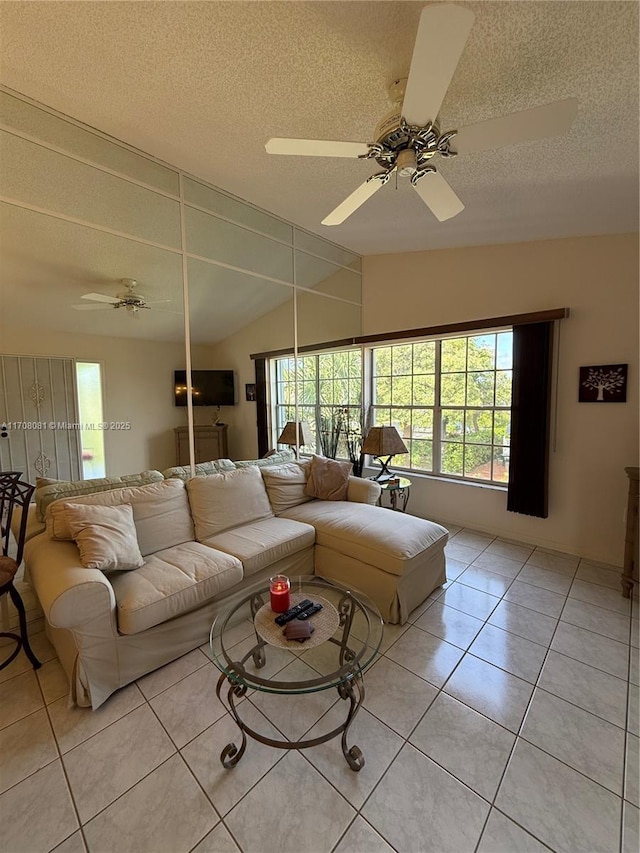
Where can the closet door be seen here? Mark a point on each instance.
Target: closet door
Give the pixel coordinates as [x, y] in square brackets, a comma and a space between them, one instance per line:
[39, 414]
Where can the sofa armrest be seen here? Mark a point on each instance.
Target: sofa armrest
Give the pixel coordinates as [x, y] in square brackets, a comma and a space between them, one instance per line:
[71, 596]
[363, 491]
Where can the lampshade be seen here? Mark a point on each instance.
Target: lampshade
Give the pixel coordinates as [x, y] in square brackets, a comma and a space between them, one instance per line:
[288, 434]
[383, 441]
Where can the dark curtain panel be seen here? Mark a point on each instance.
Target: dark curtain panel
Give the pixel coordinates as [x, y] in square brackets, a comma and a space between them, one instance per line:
[261, 406]
[530, 414]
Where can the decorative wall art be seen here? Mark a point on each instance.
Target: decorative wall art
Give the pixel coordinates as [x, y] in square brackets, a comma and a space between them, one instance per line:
[250, 392]
[603, 383]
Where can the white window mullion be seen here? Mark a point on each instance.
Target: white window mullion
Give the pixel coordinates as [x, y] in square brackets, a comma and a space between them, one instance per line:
[437, 413]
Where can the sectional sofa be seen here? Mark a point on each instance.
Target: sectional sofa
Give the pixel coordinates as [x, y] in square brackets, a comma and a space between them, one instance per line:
[191, 542]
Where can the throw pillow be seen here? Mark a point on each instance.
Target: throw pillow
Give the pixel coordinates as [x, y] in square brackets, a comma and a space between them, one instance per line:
[105, 536]
[328, 479]
[41, 482]
[276, 458]
[183, 472]
[286, 484]
[222, 501]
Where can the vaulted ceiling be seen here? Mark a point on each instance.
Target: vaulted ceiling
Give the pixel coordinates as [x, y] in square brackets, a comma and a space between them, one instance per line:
[203, 85]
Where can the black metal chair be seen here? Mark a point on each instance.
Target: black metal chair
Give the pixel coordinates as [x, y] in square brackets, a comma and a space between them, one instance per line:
[6, 478]
[14, 493]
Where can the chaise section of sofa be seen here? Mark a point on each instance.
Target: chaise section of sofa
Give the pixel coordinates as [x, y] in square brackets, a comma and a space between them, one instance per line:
[396, 559]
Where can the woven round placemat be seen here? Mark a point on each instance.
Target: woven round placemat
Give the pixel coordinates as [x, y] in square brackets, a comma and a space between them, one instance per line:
[325, 623]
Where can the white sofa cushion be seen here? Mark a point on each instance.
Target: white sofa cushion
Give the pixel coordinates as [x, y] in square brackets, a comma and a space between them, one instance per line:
[160, 513]
[286, 484]
[389, 540]
[261, 543]
[105, 535]
[172, 582]
[48, 490]
[222, 501]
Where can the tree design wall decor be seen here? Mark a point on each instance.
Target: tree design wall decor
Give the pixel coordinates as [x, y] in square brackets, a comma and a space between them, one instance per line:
[603, 383]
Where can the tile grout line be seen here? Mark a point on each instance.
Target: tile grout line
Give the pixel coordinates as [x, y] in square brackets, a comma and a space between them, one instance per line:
[64, 772]
[515, 743]
[626, 734]
[439, 690]
[566, 596]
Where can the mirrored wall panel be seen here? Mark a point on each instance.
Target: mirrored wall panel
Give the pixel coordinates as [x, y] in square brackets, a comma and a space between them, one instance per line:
[94, 276]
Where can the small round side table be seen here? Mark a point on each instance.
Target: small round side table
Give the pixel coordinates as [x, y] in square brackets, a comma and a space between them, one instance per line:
[398, 489]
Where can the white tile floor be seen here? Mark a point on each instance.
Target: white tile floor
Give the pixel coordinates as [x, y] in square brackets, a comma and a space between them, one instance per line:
[502, 718]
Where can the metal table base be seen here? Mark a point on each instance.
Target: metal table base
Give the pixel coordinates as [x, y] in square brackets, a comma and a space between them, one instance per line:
[350, 687]
[353, 690]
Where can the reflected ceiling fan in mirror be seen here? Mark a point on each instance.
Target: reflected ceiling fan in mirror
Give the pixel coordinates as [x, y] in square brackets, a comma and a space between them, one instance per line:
[128, 299]
[410, 135]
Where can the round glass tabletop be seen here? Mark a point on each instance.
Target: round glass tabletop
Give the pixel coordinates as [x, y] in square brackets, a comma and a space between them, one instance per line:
[249, 647]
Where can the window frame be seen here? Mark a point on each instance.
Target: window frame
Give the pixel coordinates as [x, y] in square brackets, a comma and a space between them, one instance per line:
[91, 422]
[437, 408]
[279, 413]
[369, 406]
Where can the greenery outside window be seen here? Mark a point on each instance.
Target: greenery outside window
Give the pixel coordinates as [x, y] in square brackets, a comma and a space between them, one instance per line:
[329, 389]
[449, 398]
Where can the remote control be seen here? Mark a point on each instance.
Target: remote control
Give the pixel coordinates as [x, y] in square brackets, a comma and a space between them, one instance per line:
[290, 614]
[309, 611]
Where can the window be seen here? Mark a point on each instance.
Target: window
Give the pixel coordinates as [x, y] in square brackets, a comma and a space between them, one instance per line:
[329, 390]
[89, 383]
[449, 398]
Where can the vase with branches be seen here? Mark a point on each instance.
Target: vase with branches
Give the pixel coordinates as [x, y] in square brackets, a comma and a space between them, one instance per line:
[342, 429]
[329, 429]
[355, 431]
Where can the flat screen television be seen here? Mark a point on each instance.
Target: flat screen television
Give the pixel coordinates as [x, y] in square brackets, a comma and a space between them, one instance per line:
[210, 387]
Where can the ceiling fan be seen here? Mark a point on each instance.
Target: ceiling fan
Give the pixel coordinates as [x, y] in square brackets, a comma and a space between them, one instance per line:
[129, 300]
[410, 135]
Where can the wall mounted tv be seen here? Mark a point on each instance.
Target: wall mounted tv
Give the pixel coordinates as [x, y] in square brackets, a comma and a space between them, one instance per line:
[210, 387]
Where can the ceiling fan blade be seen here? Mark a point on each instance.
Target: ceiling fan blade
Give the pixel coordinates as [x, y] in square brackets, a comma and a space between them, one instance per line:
[98, 307]
[438, 195]
[100, 297]
[356, 199]
[316, 148]
[553, 119]
[442, 34]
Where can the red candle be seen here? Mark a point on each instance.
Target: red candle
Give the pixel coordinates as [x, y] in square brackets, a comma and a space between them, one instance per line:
[279, 590]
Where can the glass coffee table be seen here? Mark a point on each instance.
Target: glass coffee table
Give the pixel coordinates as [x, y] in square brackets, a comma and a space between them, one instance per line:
[345, 641]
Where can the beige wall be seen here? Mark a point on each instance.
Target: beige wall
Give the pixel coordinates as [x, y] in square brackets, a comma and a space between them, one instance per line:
[597, 279]
[138, 387]
[273, 331]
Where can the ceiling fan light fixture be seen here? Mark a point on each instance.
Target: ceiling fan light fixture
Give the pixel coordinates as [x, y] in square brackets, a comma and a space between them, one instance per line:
[406, 163]
[409, 136]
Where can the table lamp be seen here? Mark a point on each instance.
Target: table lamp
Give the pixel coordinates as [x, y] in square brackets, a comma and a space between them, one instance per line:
[296, 434]
[383, 441]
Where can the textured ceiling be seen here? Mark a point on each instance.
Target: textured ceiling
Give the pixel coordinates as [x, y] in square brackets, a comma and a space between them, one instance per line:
[203, 85]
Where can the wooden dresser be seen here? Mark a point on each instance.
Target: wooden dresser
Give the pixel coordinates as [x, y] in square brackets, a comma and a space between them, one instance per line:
[630, 567]
[210, 443]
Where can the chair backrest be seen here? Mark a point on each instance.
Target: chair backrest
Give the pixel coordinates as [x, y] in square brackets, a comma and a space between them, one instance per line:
[14, 493]
[7, 478]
